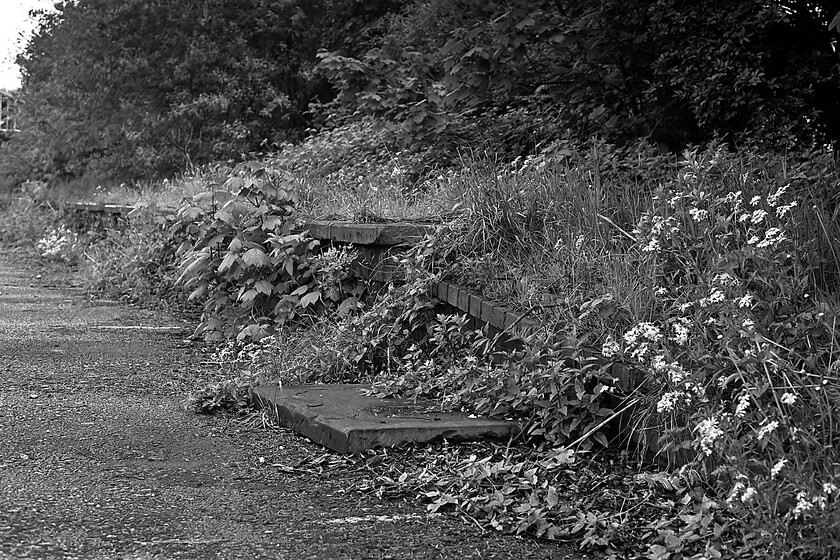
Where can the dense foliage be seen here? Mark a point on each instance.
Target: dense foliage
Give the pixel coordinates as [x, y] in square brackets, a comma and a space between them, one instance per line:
[711, 277]
[675, 72]
[136, 89]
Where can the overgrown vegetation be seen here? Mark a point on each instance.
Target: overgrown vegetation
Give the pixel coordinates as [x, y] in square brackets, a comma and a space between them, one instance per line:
[550, 141]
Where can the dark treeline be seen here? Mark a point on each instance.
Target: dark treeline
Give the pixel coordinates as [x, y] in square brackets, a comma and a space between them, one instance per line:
[145, 88]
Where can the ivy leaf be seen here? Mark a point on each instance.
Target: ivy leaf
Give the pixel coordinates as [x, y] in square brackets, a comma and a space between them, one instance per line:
[255, 257]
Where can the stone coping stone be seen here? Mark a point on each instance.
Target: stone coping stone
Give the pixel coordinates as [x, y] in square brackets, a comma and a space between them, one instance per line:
[385, 234]
[343, 418]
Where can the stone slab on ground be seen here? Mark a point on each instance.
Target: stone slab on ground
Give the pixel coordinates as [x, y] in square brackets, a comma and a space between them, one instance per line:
[344, 419]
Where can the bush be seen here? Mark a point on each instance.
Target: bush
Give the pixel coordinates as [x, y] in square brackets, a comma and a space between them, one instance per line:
[242, 256]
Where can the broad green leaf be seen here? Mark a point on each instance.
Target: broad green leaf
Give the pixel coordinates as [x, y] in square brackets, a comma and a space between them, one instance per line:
[300, 290]
[183, 248]
[264, 287]
[190, 213]
[255, 257]
[195, 262]
[203, 198]
[254, 332]
[310, 298]
[220, 197]
[228, 262]
[248, 296]
[273, 222]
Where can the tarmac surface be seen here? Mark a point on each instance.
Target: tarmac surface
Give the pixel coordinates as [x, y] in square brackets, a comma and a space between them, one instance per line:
[101, 460]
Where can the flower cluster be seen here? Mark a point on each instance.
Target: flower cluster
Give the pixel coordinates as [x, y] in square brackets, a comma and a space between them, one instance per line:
[56, 242]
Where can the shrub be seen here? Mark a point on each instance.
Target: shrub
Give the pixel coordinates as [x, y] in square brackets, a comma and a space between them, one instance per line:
[244, 259]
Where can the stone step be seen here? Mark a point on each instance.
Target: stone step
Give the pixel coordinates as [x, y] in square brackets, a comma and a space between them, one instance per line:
[345, 419]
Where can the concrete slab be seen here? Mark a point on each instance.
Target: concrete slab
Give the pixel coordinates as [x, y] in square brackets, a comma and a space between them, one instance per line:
[344, 419]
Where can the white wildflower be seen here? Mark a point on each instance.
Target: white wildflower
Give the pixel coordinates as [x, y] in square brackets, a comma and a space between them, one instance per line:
[725, 279]
[777, 468]
[829, 488]
[758, 216]
[788, 398]
[698, 391]
[748, 323]
[658, 363]
[736, 492]
[748, 495]
[716, 296]
[803, 504]
[668, 402]
[657, 225]
[680, 334]
[745, 301]
[698, 215]
[773, 199]
[677, 374]
[652, 246]
[640, 352]
[733, 197]
[610, 347]
[644, 330]
[766, 429]
[755, 200]
[709, 433]
[743, 405]
[772, 236]
[781, 211]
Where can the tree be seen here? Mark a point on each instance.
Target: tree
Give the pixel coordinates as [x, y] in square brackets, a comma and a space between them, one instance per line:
[142, 88]
[676, 71]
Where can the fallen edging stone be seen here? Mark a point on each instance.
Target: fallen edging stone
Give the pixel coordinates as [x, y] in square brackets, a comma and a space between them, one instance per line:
[343, 418]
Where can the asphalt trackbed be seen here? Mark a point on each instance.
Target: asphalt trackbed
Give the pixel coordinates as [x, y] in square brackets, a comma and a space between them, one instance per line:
[99, 459]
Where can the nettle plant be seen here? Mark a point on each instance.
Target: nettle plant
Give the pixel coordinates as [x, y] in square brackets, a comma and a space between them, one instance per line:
[741, 357]
[244, 254]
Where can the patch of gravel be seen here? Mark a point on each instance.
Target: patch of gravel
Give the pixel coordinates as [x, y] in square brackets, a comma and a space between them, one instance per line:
[100, 459]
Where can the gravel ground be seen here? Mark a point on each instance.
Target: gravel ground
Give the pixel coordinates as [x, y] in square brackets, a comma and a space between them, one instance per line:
[101, 460]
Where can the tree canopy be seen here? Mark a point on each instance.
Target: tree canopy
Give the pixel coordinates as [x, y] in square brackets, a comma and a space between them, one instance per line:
[143, 88]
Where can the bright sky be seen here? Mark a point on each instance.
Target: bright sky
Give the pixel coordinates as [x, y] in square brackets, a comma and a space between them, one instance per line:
[15, 23]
